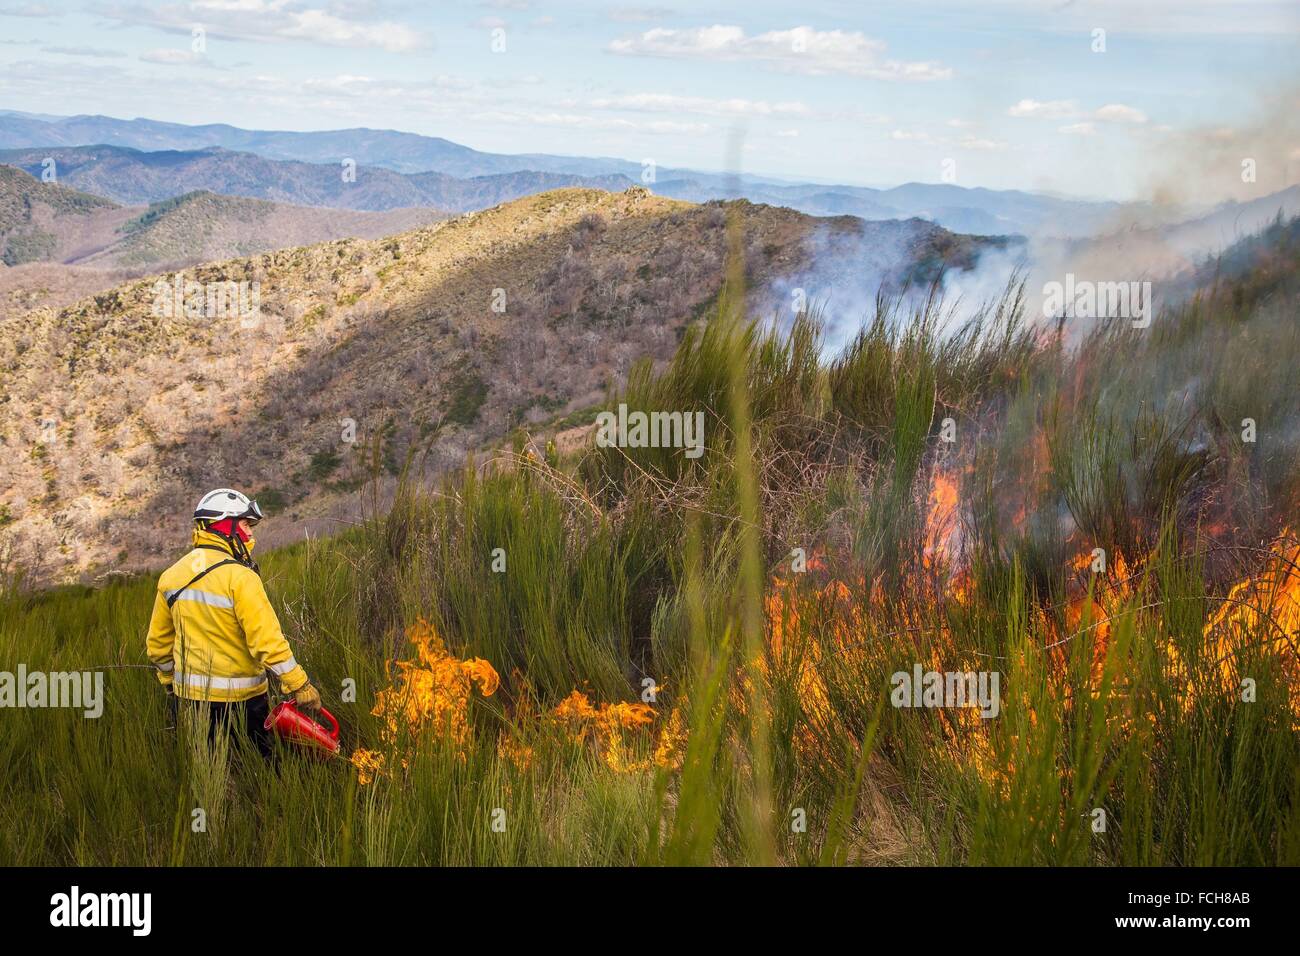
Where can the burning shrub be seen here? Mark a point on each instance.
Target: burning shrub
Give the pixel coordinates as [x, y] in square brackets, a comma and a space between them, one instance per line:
[430, 694]
[605, 725]
[1264, 609]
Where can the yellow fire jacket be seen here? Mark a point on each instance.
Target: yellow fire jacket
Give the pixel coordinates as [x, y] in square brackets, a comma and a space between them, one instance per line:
[215, 638]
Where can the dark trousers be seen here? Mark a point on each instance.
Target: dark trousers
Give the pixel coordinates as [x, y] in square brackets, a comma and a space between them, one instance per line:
[245, 718]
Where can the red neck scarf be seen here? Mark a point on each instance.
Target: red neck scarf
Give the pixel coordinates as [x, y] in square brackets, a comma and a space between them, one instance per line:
[225, 526]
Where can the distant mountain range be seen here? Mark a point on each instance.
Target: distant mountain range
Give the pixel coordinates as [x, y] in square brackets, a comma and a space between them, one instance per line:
[51, 222]
[403, 152]
[134, 176]
[457, 178]
[396, 169]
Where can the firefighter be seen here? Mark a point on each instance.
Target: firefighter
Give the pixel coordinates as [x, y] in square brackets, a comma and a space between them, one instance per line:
[214, 634]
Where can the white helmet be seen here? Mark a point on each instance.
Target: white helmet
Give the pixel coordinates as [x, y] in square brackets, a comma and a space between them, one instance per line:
[227, 503]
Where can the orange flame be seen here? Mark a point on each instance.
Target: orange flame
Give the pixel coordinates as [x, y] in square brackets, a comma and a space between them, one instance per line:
[430, 697]
[605, 726]
[943, 533]
[1265, 605]
[431, 692]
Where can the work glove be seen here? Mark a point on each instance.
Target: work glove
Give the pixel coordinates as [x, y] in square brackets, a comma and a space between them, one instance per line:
[307, 698]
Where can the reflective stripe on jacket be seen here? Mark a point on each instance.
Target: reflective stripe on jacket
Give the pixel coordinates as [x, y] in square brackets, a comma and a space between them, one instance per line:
[220, 635]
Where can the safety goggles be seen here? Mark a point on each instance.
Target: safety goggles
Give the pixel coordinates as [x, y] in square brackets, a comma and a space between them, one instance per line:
[252, 513]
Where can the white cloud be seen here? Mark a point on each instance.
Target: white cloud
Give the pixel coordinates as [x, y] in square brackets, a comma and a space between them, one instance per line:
[798, 50]
[1119, 113]
[330, 30]
[981, 144]
[665, 103]
[83, 51]
[709, 106]
[505, 82]
[1079, 129]
[169, 56]
[639, 14]
[1069, 109]
[928, 139]
[1051, 109]
[269, 21]
[909, 136]
[715, 41]
[583, 121]
[357, 85]
[34, 10]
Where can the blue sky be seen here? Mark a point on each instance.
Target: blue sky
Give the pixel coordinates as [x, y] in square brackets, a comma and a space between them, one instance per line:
[1004, 94]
